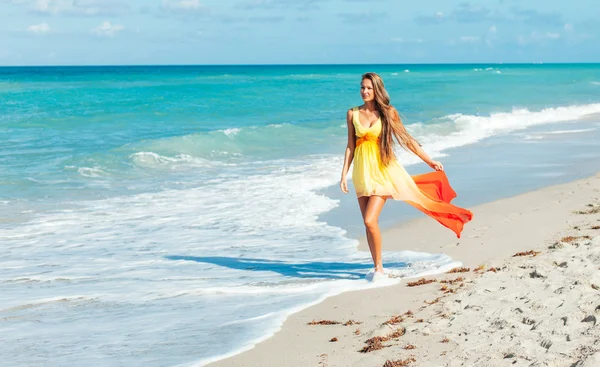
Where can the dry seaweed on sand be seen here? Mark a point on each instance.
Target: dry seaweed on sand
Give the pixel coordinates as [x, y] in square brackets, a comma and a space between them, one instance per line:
[493, 270]
[334, 339]
[410, 346]
[592, 210]
[421, 281]
[352, 322]
[571, 239]
[527, 253]
[459, 270]
[445, 340]
[399, 362]
[376, 342]
[394, 320]
[324, 322]
[433, 302]
[373, 347]
[452, 281]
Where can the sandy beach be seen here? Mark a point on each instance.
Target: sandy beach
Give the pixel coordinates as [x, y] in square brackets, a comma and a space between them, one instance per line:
[526, 295]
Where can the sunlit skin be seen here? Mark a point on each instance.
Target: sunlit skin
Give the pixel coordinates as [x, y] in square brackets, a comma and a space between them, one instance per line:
[371, 206]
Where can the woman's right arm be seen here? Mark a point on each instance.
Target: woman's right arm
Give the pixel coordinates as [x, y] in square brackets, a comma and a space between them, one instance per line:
[349, 154]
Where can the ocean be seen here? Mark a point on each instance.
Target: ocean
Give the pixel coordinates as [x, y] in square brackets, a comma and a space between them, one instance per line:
[175, 215]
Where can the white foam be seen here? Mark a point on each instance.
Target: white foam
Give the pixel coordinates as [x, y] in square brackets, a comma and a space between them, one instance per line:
[151, 159]
[575, 131]
[231, 131]
[469, 129]
[92, 172]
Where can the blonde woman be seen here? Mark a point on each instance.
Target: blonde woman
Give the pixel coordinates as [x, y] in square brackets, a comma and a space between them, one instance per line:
[377, 175]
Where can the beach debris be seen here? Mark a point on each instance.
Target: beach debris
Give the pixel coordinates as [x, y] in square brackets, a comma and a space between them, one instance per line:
[561, 265]
[394, 320]
[445, 340]
[528, 321]
[593, 210]
[357, 332]
[499, 324]
[399, 362]
[590, 318]
[419, 282]
[527, 253]
[479, 268]
[376, 343]
[409, 313]
[535, 274]
[564, 319]
[546, 344]
[494, 270]
[334, 339]
[509, 355]
[352, 322]
[571, 239]
[433, 302]
[556, 246]
[459, 270]
[595, 227]
[421, 320]
[410, 346]
[452, 281]
[323, 361]
[324, 322]
[595, 287]
[597, 309]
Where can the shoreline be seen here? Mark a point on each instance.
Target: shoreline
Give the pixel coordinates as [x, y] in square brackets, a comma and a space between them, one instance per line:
[499, 229]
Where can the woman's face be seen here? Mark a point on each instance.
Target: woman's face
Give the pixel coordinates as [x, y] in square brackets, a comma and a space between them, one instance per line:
[366, 90]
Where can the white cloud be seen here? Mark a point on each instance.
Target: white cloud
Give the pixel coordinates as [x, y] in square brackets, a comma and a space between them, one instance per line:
[537, 37]
[493, 29]
[568, 27]
[73, 7]
[182, 4]
[41, 28]
[469, 39]
[439, 15]
[107, 29]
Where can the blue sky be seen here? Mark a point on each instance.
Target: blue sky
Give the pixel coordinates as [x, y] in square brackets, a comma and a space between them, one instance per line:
[100, 32]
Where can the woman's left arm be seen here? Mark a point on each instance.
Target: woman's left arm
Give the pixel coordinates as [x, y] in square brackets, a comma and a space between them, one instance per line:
[415, 147]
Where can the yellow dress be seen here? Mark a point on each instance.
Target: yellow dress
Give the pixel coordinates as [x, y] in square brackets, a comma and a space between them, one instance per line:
[430, 192]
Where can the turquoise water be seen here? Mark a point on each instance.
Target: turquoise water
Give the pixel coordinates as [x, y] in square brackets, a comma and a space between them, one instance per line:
[192, 198]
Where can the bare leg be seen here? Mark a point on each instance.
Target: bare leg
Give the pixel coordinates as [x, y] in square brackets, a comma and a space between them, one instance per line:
[371, 220]
[363, 202]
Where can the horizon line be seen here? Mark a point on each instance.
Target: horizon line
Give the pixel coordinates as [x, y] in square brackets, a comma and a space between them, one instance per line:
[316, 64]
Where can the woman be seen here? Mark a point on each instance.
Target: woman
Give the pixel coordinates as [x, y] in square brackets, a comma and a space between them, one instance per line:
[378, 176]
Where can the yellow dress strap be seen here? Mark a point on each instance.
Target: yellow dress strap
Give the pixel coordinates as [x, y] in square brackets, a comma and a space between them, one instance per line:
[355, 116]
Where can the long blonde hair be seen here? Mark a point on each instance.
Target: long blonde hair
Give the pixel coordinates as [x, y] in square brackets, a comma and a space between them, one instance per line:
[392, 126]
